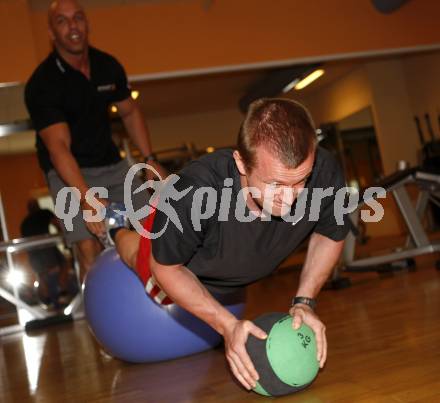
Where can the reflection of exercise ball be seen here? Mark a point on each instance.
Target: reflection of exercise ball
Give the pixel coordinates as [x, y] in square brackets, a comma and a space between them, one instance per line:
[286, 361]
[131, 326]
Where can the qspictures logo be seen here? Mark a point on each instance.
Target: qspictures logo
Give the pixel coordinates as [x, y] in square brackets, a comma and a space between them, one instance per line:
[203, 203]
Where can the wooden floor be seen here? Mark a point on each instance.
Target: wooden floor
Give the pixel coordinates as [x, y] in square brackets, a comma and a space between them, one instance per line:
[384, 346]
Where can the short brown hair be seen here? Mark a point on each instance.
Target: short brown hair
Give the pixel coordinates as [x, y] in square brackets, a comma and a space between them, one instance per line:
[283, 125]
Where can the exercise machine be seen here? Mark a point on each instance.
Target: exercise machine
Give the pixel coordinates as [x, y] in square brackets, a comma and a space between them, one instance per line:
[417, 242]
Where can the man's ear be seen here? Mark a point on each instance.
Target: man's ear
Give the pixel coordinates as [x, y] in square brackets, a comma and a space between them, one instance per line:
[239, 163]
[51, 34]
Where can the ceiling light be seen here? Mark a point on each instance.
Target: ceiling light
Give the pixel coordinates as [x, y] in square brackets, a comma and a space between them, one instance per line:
[309, 79]
[114, 109]
[289, 86]
[135, 94]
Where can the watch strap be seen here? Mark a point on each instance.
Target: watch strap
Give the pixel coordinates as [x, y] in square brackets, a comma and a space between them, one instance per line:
[311, 302]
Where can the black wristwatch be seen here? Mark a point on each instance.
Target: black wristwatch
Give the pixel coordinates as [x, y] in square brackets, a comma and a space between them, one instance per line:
[304, 300]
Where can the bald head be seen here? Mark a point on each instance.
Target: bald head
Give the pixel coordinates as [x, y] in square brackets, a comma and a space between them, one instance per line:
[68, 26]
[57, 6]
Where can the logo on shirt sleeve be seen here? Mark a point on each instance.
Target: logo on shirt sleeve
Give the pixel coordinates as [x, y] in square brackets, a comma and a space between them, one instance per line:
[106, 87]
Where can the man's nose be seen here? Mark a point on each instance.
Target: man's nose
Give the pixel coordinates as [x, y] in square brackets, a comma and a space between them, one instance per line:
[73, 24]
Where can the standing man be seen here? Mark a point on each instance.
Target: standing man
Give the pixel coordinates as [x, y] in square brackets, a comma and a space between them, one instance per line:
[68, 98]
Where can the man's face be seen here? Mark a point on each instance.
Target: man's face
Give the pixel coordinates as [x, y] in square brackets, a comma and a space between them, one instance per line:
[278, 186]
[68, 26]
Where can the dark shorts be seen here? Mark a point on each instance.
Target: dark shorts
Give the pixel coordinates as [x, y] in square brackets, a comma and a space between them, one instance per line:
[112, 178]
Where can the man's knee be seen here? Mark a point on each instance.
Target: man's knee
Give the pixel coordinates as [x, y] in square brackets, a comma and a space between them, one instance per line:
[127, 245]
[132, 259]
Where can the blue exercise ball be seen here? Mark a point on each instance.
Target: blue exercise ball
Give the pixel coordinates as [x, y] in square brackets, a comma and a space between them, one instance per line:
[132, 327]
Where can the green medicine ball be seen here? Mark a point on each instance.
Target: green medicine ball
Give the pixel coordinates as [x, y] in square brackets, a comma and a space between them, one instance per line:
[286, 361]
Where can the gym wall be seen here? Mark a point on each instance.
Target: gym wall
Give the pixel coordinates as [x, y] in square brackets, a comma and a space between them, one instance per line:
[341, 98]
[21, 178]
[167, 36]
[423, 84]
[216, 129]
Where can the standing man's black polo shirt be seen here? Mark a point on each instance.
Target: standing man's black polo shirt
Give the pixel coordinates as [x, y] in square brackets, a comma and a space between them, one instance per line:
[56, 92]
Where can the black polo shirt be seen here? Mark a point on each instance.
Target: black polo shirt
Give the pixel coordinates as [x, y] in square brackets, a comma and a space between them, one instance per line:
[56, 92]
[225, 253]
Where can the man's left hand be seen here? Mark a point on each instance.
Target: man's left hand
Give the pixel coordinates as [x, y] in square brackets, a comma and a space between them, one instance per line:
[304, 314]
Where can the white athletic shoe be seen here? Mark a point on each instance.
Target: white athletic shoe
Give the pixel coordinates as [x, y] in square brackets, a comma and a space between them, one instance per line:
[114, 218]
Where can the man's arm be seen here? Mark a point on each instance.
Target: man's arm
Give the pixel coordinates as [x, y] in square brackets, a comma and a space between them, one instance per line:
[322, 256]
[137, 129]
[184, 288]
[56, 138]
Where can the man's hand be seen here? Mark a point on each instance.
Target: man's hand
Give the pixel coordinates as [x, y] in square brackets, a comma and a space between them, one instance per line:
[235, 337]
[303, 313]
[96, 228]
[186, 290]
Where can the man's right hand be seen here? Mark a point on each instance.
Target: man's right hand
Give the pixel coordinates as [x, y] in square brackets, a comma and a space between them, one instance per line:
[176, 281]
[235, 336]
[96, 228]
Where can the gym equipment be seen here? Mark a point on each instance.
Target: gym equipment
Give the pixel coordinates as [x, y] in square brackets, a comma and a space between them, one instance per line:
[417, 242]
[430, 153]
[286, 361]
[30, 317]
[132, 327]
[430, 160]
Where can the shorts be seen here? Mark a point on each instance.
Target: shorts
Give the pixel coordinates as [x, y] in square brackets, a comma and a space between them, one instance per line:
[143, 266]
[110, 177]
